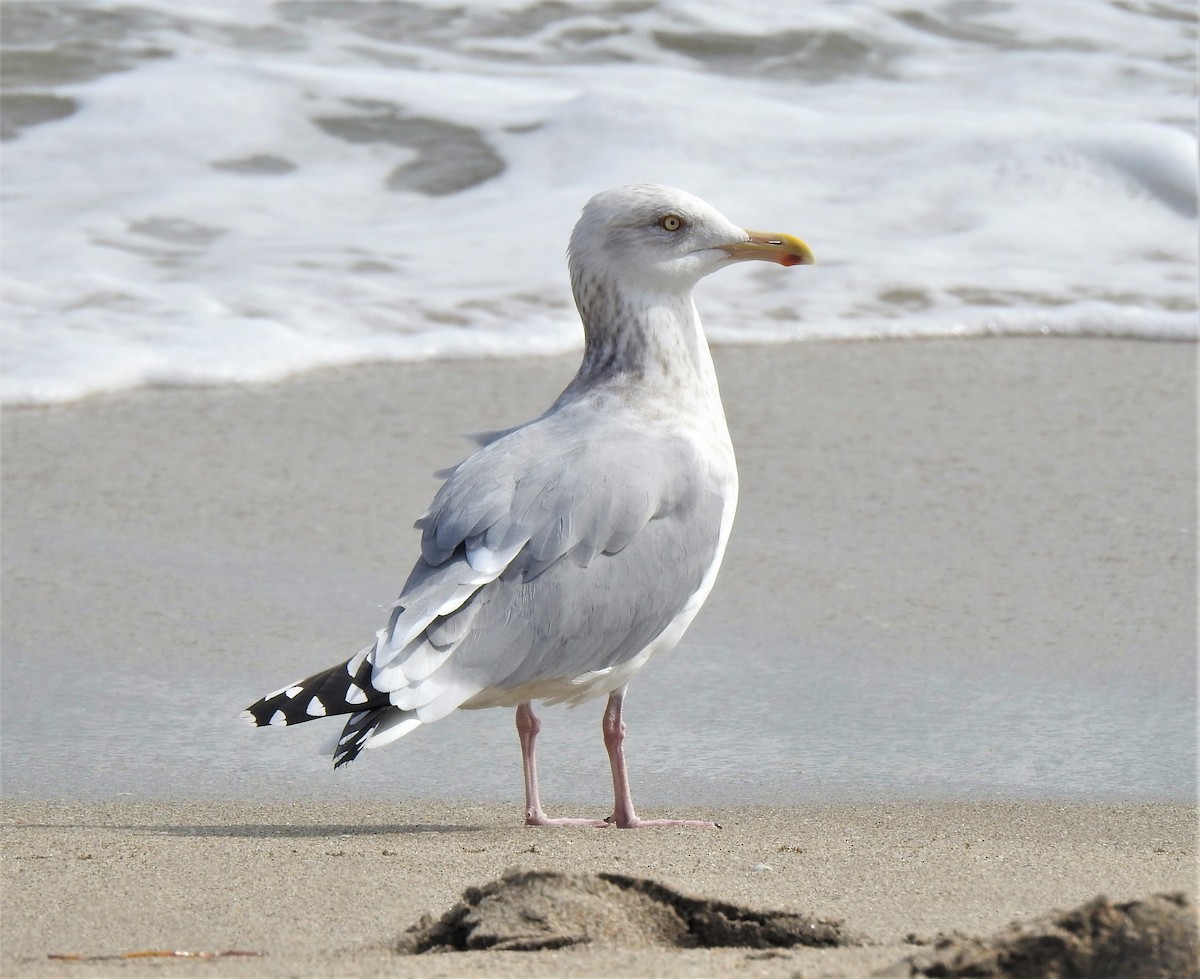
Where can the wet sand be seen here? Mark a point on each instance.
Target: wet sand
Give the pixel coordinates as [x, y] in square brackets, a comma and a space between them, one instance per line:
[959, 568]
[946, 679]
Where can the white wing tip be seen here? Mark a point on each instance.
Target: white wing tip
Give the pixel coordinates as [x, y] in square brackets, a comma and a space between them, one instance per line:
[591, 675]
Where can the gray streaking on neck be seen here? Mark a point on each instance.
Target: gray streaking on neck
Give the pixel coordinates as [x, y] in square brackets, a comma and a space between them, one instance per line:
[632, 281]
[651, 338]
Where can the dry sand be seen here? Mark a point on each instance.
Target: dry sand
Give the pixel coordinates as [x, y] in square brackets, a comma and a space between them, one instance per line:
[322, 891]
[935, 535]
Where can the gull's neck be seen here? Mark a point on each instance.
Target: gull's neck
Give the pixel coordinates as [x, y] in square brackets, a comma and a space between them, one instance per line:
[648, 338]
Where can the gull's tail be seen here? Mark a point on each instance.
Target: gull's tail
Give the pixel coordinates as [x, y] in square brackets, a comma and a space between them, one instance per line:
[343, 689]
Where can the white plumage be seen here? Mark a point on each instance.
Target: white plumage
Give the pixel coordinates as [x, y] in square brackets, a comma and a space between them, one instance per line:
[563, 555]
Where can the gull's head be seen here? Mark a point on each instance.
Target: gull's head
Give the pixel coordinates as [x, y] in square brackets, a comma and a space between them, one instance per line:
[662, 239]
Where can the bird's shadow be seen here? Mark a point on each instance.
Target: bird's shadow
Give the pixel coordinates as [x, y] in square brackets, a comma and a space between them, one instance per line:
[268, 831]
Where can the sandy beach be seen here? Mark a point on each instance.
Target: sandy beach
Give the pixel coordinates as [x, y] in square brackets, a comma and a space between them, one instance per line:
[320, 891]
[946, 679]
[265, 263]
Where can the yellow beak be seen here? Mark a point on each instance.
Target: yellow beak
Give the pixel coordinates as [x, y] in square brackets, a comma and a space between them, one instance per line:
[763, 246]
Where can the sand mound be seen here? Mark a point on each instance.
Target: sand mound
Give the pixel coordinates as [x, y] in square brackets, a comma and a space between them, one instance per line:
[534, 910]
[1154, 938]
[1150, 939]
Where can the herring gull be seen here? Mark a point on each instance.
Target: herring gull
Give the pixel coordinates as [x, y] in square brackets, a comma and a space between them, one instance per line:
[567, 552]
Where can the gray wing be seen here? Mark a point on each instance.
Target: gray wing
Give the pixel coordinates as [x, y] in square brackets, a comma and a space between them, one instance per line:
[560, 549]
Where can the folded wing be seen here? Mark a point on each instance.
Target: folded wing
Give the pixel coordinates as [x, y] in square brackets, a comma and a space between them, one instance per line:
[539, 566]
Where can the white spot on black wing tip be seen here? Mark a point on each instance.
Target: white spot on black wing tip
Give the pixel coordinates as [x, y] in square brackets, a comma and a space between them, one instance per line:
[355, 694]
[316, 708]
[356, 734]
[279, 717]
[293, 692]
[349, 752]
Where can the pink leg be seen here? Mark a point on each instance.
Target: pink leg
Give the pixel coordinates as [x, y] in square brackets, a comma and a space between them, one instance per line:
[614, 737]
[527, 730]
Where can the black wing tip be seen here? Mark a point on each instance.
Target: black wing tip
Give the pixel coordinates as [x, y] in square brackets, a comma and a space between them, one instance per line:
[326, 694]
[266, 713]
[348, 753]
[276, 710]
[355, 734]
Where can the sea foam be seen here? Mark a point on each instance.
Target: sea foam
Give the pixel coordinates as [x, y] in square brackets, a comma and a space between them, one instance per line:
[201, 192]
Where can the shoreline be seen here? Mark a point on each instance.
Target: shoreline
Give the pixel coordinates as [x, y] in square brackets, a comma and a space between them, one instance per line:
[570, 355]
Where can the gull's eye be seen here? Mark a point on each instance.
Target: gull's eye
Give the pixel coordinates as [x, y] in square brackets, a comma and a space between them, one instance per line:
[670, 222]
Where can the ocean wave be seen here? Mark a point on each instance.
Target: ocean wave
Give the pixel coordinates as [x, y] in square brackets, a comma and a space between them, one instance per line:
[201, 192]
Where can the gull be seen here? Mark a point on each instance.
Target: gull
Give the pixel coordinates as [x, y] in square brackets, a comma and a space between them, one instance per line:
[569, 551]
